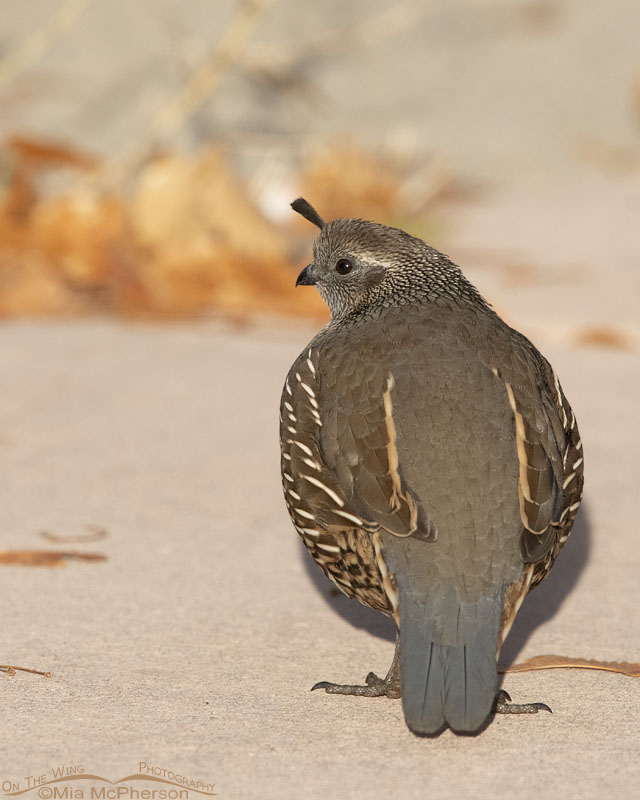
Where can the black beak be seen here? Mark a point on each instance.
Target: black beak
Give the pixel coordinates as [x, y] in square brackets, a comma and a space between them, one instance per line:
[306, 278]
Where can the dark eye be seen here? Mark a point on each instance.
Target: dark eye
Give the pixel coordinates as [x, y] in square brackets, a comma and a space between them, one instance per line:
[343, 266]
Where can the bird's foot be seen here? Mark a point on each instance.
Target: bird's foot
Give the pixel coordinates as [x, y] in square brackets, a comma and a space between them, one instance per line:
[503, 705]
[375, 687]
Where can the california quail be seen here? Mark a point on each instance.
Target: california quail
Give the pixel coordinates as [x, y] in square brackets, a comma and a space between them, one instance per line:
[430, 462]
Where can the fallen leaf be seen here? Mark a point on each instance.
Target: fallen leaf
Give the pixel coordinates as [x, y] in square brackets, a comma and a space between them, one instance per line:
[180, 198]
[632, 670]
[45, 558]
[41, 153]
[604, 337]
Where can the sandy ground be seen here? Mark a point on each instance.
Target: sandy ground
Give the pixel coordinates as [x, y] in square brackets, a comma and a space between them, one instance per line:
[194, 645]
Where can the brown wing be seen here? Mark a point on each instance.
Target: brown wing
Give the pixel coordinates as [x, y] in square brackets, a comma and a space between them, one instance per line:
[339, 453]
[550, 458]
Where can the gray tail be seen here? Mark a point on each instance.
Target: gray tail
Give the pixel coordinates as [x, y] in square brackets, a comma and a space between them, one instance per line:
[448, 662]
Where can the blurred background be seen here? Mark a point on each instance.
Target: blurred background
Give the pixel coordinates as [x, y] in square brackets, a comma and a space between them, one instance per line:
[150, 151]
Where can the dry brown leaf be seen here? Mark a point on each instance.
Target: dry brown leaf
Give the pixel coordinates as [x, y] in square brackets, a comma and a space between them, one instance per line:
[604, 337]
[563, 662]
[81, 235]
[192, 276]
[178, 199]
[32, 288]
[39, 153]
[45, 558]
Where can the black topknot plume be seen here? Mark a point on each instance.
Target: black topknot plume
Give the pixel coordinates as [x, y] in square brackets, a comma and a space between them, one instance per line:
[308, 212]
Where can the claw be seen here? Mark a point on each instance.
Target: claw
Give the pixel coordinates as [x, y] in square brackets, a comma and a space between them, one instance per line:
[376, 688]
[503, 705]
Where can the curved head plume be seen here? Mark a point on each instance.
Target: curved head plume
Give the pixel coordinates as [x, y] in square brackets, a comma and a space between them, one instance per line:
[308, 212]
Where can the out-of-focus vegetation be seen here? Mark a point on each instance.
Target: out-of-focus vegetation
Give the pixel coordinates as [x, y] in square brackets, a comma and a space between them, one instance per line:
[186, 237]
[174, 235]
[188, 212]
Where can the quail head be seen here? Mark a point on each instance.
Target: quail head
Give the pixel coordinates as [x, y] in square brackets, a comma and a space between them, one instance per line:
[430, 462]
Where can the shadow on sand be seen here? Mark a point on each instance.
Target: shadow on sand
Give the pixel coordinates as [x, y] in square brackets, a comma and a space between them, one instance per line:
[540, 606]
[546, 600]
